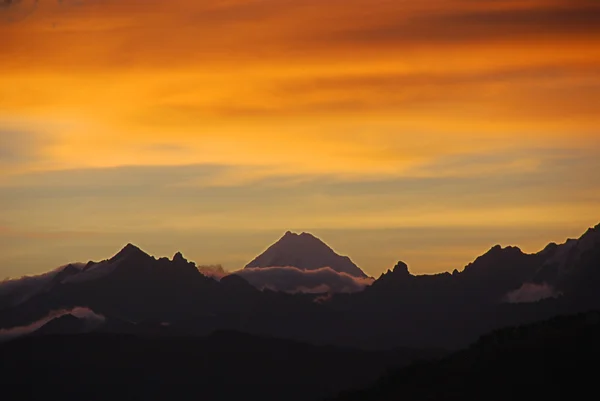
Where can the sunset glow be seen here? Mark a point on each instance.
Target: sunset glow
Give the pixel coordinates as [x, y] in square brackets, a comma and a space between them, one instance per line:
[208, 124]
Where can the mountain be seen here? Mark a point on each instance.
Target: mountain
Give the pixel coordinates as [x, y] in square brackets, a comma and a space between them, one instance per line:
[15, 292]
[225, 365]
[140, 294]
[503, 287]
[486, 280]
[306, 252]
[130, 285]
[544, 361]
[573, 267]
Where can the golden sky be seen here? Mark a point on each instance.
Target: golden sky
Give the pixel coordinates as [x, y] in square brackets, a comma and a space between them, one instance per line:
[162, 122]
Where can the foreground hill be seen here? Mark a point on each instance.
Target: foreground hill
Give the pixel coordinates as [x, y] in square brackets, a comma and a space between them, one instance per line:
[552, 360]
[223, 366]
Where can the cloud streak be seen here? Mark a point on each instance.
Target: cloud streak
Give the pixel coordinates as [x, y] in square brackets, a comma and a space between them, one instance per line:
[294, 280]
[91, 319]
[20, 146]
[214, 271]
[16, 291]
[483, 22]
[531, 292]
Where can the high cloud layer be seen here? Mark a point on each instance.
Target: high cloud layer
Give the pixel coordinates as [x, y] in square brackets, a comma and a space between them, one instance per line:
[293, 280]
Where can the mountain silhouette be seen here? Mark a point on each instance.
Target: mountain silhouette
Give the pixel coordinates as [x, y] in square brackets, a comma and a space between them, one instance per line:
[486, 280]
[478, 299]
[140, 294]
[573, 267]
[306, 252]
[131, 284]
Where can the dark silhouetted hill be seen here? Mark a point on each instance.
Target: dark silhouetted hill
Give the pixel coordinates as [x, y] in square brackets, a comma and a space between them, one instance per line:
[552, 360]
[223, 366]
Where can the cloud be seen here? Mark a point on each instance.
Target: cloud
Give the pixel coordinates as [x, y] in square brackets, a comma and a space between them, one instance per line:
[247, 29]
[214, 271]
[16, 10]
[16, 291]
[19, 146]
[477, 24]
[91, 319]
[531, 292]
[293, 280]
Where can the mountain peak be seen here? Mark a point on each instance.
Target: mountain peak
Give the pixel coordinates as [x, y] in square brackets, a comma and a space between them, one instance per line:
[593, 230]
[129, 251]
[497, 249]
[130, 248]
[178, 257]
[304, 236]
[401, 268]
[306, 252]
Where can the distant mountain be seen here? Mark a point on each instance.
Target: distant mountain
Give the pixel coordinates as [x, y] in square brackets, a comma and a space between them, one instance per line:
[17, 291]
[573, 268]
[130, 285]
[503, 287]
[486, 280]
[140, 294]
[305, 252]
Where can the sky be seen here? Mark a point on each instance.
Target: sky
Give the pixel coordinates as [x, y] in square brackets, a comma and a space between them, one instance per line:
[423, 131]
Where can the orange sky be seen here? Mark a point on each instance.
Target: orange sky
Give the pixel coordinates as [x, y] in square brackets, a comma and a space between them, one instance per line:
[186, 116]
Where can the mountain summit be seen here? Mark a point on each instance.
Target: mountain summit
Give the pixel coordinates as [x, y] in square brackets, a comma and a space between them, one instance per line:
[306, 252]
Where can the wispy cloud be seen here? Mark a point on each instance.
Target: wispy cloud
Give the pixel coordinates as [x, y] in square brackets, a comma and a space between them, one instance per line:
[91, 320]
[14, 291]
[292, 279]
[215, 271]
[20, 147]
[531, 292]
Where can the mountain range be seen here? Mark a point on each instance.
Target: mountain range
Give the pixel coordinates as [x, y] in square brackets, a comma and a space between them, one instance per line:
[137, 293]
